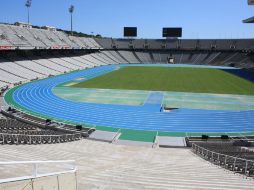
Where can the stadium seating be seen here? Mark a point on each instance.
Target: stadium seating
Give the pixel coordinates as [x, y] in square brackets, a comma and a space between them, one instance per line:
[128, 55]
[15, 68]
[144, 57]
[112, 58]
[30, 38]
[230, 154]
[205, 44]
[16, 132]
[3, 84]
[118, 56]
[14, 38]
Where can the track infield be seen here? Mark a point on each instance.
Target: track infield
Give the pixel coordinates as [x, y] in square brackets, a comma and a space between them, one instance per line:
[198, 80]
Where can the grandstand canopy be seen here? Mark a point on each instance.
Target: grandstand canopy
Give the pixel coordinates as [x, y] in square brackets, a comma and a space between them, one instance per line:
[249, 20]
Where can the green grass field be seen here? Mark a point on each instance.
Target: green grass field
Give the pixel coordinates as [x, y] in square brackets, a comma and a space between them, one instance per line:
[200, 80]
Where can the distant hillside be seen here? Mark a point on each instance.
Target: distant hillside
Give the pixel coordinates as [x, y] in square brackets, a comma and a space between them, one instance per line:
[79, 34]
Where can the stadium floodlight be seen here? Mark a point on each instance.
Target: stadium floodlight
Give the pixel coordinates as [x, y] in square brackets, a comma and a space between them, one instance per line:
[28, 5]
[250, 2]
[249, 20]
[71, 10]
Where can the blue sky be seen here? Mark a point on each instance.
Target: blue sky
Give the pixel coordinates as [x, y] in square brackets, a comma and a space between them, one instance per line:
[199, 18]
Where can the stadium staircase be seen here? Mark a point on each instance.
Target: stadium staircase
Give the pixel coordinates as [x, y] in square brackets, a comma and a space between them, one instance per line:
[107, 166]
[151, 57]
[136, 56]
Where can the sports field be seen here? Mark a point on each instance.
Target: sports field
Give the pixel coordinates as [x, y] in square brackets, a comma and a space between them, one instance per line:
[199, 80]
[170, 99]
[137, 113]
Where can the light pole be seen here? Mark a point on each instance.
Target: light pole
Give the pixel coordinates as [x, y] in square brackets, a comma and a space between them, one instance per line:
[28, 5]
[71, 10]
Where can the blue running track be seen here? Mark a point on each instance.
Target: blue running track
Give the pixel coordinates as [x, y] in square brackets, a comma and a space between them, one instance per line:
[37, 97]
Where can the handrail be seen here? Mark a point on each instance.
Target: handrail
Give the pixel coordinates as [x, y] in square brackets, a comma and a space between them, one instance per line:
[56, 138]
[64, 135]
[35, 122]
[70, 166]
[117, 134]
[221, 153]
[36, 162]
[215, 155]
[93, 128]
[155, 143]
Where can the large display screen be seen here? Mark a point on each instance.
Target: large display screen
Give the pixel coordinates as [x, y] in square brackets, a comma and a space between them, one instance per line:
[130, 32]
[172, 32]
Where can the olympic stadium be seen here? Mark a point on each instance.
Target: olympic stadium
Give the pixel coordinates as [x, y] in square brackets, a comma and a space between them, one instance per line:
[82, 111]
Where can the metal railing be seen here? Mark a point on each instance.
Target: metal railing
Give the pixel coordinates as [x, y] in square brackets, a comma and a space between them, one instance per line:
[21, 118]
[66, 166]
[235, 164]
[37, 139]
[118, 133]
[155, 142]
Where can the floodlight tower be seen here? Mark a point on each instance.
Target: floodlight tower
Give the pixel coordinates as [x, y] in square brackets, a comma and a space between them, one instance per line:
[28, 5]
[249, 20]
[71, 10]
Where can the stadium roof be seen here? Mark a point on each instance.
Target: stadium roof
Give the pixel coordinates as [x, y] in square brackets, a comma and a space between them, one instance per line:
[249, 20]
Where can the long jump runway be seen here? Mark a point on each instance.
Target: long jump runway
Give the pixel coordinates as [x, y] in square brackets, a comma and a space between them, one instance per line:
[37, 98]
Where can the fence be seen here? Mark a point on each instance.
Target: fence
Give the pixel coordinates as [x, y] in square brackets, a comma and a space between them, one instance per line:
[6, 138]
[34, 169]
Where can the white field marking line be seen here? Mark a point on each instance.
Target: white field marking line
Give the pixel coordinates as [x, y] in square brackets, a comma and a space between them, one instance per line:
[162, 102]
[91, 90]
[107, 96]
[147, 97]
[113, 102]
[116, 90]
[104, 90]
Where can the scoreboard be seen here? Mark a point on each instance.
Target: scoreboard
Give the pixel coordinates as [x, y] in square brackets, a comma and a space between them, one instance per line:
[171, 32]
[130, 31]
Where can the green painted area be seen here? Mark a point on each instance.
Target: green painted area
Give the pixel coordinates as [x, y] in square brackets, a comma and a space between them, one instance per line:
[109, 129]
[208, 101]
[201, 80]
[102, 96]
[171, 99]
[135, 135]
